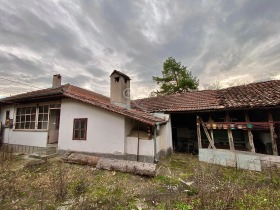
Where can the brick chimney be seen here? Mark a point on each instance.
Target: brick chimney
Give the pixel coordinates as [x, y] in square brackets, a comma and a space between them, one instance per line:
[120, 89]
[56, 81]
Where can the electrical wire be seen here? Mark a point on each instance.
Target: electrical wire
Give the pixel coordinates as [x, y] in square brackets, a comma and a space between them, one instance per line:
[10, 80]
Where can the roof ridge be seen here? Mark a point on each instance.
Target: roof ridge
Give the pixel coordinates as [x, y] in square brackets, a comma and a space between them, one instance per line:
[250, 84]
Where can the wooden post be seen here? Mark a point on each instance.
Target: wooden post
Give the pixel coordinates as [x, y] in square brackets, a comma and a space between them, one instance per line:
[272, 135]
[250, 135]
[230, 137]
[211, 130]
[198, 132]
[207, 134]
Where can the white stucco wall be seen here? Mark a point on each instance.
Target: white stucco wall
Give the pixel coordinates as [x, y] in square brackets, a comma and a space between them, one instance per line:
[29, 137]
[165, 132]
[146, 147]
[105, 130]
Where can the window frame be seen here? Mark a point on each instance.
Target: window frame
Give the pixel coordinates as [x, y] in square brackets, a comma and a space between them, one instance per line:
[74, 129]
[21, 113]
[44, 115]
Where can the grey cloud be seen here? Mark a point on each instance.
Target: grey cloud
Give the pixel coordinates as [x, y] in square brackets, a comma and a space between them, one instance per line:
[88, 39]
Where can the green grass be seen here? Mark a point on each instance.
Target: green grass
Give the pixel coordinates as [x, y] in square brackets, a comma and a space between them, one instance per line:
[56, 184]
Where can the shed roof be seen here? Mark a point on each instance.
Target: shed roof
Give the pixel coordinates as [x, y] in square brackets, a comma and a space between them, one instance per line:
[254, 95]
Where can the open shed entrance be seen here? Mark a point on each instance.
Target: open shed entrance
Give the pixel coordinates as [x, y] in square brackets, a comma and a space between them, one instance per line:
[184, 136]
[244, 130]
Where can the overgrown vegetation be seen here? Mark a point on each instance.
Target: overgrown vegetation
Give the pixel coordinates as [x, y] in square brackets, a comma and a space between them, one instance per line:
[182, 183]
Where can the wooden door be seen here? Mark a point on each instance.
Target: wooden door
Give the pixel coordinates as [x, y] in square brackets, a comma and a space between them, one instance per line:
[54, 126]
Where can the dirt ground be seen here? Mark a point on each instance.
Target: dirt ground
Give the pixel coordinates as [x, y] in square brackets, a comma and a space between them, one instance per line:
[182, 182]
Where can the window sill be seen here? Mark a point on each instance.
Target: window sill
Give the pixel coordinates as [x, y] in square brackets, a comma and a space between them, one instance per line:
[31, 130]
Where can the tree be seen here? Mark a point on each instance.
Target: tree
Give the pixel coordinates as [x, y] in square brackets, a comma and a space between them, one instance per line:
[176, 78]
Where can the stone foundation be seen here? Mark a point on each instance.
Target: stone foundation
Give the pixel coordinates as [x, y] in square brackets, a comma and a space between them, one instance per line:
[15, 148]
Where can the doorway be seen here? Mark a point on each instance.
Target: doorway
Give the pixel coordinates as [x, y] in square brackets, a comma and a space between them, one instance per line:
[54, 126]
[184, 137]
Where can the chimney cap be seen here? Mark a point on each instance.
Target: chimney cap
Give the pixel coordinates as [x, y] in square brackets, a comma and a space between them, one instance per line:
[57, 75]
[121, 74]
[56, 81]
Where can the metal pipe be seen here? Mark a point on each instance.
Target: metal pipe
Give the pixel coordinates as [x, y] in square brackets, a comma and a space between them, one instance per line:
[155, 142]
[138, 145]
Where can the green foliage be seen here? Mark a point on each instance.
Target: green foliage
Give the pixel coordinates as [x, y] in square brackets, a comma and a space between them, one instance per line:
[183, 206]
[69, 186]
[176, 78]
[78, 187]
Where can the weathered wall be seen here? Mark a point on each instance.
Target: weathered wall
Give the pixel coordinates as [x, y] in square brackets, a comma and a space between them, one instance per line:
[239, 159]
[105, 130]
[165, 133]
[146, 147]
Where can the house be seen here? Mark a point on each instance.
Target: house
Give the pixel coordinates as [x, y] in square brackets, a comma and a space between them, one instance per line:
[74, 119]
[235, 125]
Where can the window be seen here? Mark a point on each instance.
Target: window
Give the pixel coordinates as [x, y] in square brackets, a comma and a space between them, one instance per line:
[80, 129]
[33, 117]
[43, 117]
[26, 118]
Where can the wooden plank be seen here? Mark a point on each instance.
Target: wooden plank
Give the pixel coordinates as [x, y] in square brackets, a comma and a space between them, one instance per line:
[198, 132]
[207, 134]
[230, 137]
[211, 130]
[272, 135]
[250, 135]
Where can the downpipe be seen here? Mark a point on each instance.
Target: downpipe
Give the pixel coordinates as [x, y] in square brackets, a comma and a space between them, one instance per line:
[155, 142]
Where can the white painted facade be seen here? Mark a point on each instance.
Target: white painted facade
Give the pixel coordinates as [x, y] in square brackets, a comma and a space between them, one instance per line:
[105, 130]
[36, 138]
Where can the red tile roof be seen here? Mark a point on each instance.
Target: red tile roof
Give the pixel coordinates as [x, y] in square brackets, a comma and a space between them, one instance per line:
[196, 100]
[86, 96]
[261, 94]
[254, 95]
[104, 102]
[34, 94]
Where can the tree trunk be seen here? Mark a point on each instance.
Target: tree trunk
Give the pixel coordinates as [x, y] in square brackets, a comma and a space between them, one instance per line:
[81, 159]
[147, 169]
[140, 168]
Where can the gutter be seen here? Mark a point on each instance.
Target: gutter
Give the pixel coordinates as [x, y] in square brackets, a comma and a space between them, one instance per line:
[157, 124]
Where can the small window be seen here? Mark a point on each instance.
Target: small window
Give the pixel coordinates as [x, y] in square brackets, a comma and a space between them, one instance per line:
[117, 79]
[80, 129]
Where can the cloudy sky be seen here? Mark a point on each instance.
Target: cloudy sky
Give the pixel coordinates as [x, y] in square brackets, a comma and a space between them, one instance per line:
[230, 42]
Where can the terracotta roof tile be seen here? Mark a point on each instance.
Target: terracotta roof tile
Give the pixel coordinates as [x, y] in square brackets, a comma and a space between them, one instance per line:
[104, 102]
[86, 96]
[34, 94]
[196, 100]
[261, 94]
